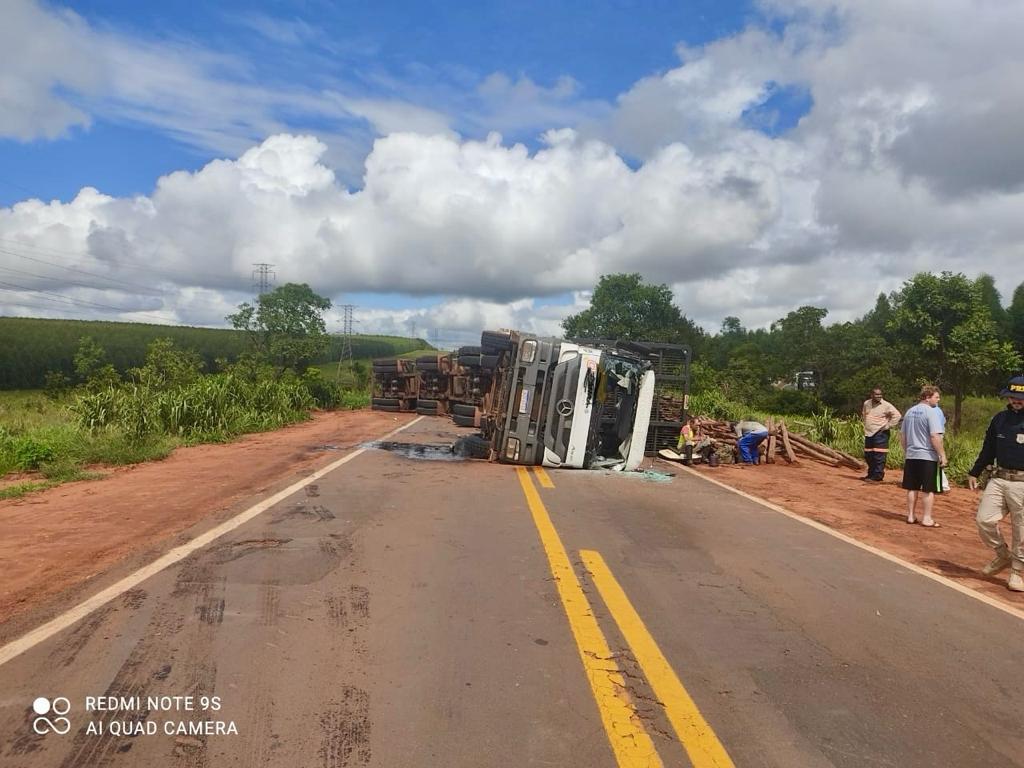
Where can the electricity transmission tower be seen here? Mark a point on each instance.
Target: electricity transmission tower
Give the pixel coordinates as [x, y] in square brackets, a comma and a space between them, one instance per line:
[346, 336]
[262, 278]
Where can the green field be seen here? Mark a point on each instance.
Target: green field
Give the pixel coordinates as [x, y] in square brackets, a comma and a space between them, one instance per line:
[30, 347]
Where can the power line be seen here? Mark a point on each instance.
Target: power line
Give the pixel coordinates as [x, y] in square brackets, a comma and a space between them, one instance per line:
[60, 308]
[79, 271]
[82, 302]
[123, 263]
[62, 281]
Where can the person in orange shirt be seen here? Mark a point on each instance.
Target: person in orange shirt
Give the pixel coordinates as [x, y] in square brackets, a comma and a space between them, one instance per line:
[879, 417]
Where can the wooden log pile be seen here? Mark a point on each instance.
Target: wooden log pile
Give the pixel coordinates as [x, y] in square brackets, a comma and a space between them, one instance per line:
[791, 446]
[670, 408]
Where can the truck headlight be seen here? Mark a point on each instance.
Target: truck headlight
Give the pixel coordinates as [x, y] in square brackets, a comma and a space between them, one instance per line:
[512, 449]
[529, 350]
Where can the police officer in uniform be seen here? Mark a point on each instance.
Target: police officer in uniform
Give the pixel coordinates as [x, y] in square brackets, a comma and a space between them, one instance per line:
[1004, 494]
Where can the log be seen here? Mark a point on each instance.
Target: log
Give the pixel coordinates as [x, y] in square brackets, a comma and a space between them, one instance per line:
[824, 458]
[770, 455]
[796, 437]
[790, 456]
[839, 456]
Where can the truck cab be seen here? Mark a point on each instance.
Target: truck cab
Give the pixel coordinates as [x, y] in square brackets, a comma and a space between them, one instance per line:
[557, 403]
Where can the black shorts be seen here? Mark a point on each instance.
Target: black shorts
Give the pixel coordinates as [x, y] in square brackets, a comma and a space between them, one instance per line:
[922, 475]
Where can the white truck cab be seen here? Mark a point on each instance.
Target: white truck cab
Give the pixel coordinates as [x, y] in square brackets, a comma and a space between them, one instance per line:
[562, 404]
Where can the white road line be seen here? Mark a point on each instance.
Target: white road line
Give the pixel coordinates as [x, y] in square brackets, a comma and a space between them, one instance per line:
[991, 601]
[17, 647]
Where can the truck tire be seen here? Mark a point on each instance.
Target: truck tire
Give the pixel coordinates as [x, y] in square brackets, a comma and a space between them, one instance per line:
[469, 361]
[461, 409]
[385, 368]
[386, 401]
[492, 342]
[473, 447]
[489, 362]
[468, 351]
[391, 408]
[464, 421]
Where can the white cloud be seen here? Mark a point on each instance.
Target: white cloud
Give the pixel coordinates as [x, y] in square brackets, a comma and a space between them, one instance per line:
[41, 53]
[906, 161]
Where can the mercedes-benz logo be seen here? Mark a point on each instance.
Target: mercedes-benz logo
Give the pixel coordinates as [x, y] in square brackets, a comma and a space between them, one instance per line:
[563, 407]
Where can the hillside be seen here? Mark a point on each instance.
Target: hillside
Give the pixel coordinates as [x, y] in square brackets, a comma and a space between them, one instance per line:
[29, 347]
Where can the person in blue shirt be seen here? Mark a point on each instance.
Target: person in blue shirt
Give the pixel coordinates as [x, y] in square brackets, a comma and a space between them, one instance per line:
[925, 454]
[1004, 494]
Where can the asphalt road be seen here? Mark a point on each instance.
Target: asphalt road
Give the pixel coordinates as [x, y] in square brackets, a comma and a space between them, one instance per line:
[403, 612]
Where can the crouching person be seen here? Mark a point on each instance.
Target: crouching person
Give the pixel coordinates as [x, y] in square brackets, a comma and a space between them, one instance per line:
[750, 435]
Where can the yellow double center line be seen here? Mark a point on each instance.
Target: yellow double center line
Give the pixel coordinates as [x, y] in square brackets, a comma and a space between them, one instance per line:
[629, 740]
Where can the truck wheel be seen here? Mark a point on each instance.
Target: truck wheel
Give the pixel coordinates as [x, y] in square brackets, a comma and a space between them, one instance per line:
[386, 401]
[461, 409]
[489, 362]
[463, 421]
[492, 342]
[391, 408]
[468, 351]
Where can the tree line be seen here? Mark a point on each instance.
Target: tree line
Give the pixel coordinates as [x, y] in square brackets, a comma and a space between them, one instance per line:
[945, 329]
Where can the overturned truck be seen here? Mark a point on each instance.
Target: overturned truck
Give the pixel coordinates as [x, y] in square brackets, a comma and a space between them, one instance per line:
[559, 403]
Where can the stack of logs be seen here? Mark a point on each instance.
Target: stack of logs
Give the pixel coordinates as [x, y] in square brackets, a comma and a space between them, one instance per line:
[790, 445]
[669, 408]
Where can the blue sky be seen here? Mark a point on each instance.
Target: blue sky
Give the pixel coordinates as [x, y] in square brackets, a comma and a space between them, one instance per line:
[455, 166]
[604, 46]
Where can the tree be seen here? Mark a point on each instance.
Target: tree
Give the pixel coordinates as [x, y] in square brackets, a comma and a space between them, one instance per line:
[167, 366]
[877, 320]
[92, 371]
[285, 326]
[624, 307]
[945, 329]
[799, 339]
[990, 296]
[1015, 318]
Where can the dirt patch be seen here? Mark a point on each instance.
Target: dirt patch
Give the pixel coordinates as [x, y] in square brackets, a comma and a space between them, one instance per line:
[875, 513]
[61, 537]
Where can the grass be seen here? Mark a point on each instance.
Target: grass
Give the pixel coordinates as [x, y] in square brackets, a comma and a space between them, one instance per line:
[21, 489]
[128, 425]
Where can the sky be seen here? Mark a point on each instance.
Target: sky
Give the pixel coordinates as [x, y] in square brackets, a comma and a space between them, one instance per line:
[447, 167]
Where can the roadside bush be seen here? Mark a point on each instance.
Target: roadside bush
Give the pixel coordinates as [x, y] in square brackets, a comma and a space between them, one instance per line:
[327, 394]
[56, 385]
[353, 400]
[29, 452]
[212, 407]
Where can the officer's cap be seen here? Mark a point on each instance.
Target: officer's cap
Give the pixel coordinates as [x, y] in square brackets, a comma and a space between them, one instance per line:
[1014, 388]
